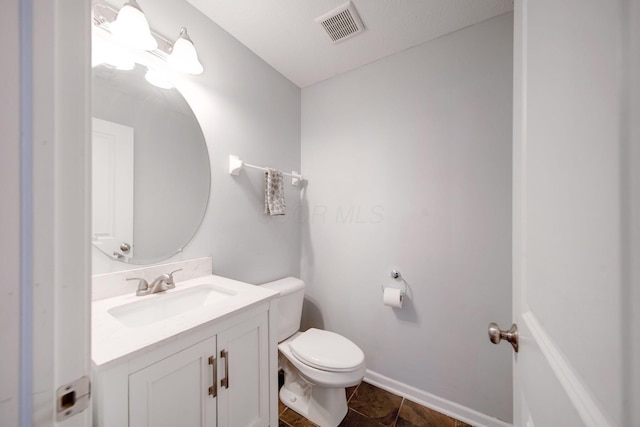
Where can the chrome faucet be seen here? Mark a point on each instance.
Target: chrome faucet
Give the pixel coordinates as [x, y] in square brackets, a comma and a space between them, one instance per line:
[160, 284]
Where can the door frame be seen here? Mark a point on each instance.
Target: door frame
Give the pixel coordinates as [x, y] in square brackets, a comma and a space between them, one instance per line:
[56, 273]
[630, 123]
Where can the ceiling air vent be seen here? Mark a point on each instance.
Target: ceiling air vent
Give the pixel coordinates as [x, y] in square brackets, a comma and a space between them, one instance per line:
[342, 22]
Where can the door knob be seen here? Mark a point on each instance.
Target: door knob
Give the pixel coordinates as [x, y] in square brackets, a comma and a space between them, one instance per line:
[496, 335]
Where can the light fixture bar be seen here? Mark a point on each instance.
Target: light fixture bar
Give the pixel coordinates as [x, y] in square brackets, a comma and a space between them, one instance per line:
[104, 14]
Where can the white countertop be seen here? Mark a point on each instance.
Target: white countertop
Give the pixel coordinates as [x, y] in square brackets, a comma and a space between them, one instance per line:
[112, 340]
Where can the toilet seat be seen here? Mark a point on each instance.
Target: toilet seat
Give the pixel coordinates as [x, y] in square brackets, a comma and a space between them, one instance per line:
[327, 351]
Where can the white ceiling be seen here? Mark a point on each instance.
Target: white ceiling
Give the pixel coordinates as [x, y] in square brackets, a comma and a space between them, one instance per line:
[285, 35]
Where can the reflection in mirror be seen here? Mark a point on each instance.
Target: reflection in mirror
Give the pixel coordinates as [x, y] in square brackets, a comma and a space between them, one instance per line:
[151, 173]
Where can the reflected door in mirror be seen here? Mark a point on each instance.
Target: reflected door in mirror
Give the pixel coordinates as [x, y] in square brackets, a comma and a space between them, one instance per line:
[112, 188]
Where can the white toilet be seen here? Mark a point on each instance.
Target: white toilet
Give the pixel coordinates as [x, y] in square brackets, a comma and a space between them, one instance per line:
[317, 364]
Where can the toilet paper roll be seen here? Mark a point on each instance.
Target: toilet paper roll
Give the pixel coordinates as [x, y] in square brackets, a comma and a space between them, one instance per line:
[393, 297]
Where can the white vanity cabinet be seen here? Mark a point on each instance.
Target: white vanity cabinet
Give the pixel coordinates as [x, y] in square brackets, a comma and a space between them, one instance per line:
[172, 392]
[222, 381]
[220, 373]
[243, 384]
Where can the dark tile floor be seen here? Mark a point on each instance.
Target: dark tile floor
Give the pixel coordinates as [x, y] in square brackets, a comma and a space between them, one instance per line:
[370, 406]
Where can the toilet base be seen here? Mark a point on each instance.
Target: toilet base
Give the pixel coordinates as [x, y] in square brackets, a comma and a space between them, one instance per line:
[325, 407]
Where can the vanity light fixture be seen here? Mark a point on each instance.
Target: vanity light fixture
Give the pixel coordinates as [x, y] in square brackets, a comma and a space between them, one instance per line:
[183, 56]
[129, 27]
[132, 27]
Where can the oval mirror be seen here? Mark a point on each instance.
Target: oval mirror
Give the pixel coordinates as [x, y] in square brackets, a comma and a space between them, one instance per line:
[151, 174]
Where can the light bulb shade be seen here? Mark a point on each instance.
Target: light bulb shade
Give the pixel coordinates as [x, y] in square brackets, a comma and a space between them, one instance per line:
[157, 79]
[103, 52]
[184, 56]
[131, 27]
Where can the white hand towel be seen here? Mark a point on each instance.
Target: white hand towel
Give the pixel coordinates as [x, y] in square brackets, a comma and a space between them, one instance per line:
[274, 203]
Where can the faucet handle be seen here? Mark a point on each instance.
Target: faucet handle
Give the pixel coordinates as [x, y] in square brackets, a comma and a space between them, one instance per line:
[171, 282]
[143, 286]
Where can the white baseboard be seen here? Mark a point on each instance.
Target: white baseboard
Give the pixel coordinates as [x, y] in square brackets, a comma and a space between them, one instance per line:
[436, 403]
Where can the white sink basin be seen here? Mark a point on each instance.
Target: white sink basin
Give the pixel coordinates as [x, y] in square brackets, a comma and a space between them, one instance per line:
[125, 325]
[164, 305]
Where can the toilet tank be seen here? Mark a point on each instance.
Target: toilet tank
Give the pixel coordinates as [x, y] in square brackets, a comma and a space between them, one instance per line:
[289, 305]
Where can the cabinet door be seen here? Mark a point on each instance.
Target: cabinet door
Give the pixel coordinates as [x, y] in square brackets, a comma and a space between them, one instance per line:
[175, 391]
[243, 361]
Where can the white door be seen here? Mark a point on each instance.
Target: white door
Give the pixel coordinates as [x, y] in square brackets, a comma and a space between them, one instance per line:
[569, 214]
[112, 187]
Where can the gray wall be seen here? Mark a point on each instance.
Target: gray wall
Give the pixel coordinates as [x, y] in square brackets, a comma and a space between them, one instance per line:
[248, 109]
[409, 166]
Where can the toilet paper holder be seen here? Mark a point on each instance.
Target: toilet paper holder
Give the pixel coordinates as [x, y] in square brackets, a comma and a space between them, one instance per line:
[395, 274]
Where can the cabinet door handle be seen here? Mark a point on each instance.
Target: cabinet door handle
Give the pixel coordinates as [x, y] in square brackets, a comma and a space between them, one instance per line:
[213, 390]
[225, 381]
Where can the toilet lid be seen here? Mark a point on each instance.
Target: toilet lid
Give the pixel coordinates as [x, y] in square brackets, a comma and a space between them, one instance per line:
[326, 350]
